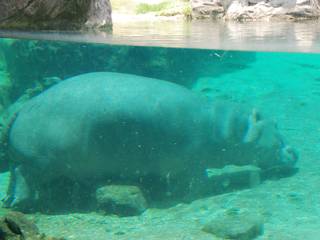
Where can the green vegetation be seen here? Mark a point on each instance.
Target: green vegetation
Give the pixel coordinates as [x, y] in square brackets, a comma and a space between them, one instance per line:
[123, 6]
[5, 82]
[166, 8]
[160, 8]
[187, 12]
[145, 7]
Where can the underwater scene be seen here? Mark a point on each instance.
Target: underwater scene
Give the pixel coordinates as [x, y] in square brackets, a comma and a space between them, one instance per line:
[103, 141]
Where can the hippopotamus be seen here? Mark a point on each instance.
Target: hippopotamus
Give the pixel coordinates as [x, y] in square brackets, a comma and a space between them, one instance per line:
[103, 124]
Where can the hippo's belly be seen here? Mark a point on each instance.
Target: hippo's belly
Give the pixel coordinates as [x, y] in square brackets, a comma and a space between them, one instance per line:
[108, 123]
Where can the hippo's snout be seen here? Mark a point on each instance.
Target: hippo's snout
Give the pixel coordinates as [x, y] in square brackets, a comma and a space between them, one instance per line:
[289, 156]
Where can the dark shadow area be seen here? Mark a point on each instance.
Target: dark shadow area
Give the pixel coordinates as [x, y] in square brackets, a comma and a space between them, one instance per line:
[64, 195]
[277, 173]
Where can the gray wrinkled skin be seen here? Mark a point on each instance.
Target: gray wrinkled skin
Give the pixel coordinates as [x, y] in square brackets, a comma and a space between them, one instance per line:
[109, 124]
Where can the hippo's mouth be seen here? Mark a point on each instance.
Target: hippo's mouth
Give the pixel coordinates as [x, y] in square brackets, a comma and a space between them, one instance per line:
[285, 167]
[289, 156]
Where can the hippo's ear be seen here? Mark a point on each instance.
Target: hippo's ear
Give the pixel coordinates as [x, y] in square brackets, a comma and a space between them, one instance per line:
[254, 127]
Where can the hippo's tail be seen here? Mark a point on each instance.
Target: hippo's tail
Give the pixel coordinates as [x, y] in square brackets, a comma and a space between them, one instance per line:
[5, 126]
[7, 118]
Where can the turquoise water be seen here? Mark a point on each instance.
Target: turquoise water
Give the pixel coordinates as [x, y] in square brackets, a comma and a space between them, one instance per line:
[284, 87]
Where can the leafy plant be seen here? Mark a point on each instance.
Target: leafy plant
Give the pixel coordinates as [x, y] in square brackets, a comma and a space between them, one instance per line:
[187, 12]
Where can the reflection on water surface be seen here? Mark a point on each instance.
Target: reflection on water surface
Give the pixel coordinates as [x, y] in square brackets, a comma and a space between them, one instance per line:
[258, 36]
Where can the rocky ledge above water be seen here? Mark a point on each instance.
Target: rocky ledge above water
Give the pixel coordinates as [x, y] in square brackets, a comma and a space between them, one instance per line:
[243, 10]
[53, 15]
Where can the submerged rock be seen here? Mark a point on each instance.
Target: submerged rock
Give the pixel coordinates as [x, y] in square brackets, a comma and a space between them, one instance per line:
[55, 15]
[233, 177]
[121, 200]
[256, 9]
[234, 224]
[15, 226]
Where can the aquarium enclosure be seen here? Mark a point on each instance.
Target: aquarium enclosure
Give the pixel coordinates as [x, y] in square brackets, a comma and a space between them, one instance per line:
[193, 131]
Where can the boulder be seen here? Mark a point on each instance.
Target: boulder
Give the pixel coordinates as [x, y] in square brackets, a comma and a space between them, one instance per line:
[55, 15]
[121, 200]
[207, 8]
[232, 177]
[275, 9]
[15, 226]
[235, 224]
[256, 9]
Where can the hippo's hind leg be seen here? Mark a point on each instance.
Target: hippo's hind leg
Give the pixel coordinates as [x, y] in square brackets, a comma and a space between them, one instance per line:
[19, 190]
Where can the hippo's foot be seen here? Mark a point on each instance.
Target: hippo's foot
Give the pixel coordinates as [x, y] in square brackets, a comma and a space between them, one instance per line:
[18, 191]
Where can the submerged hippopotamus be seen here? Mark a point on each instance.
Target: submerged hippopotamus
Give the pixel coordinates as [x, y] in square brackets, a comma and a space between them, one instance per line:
[104, 124]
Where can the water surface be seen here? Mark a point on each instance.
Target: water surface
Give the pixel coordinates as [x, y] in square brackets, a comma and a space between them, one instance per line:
[255, 36]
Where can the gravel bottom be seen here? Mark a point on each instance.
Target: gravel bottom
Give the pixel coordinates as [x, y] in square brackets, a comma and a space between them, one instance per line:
[289, 206]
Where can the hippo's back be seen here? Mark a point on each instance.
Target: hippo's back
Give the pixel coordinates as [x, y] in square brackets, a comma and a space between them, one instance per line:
[98, 119]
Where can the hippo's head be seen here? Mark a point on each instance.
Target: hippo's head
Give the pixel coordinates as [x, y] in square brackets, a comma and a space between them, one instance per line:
[269, 148]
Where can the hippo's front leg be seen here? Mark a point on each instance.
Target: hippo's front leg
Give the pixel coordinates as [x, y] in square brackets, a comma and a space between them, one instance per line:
[19, 191]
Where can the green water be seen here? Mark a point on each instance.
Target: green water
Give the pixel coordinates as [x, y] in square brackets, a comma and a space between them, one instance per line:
[285, 87]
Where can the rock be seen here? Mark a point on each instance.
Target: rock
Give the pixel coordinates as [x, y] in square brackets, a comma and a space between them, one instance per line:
[235, 224]
[207, 9]
[20, 225]
[256, 9]
[6, 233]
[15, 226]
[99, 14]
[233, 177]
[272, 9]
[121, 200]
[55, 15]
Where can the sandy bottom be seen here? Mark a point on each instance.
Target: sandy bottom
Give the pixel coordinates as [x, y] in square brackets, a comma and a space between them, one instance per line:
[290, 209]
